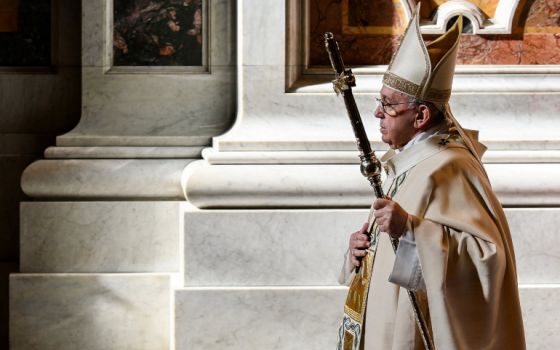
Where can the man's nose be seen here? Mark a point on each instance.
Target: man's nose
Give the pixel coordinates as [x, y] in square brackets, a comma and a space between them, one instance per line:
[378, 113]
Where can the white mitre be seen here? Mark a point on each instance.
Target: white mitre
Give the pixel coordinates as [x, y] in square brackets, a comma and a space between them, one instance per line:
[425, 72]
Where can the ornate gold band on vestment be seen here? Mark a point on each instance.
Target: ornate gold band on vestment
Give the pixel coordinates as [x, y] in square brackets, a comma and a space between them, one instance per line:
[351, 329]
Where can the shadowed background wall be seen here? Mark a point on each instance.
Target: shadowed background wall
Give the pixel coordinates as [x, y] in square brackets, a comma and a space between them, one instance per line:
[40, 93]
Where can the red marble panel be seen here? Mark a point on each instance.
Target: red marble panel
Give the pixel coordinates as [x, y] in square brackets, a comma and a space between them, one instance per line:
[541, 49]
[544, 13]
[370, 32]
[368, 13]
[360, 47]
[475, 49]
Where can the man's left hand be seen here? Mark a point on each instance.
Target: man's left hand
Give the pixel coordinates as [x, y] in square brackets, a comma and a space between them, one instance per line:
[390, 216]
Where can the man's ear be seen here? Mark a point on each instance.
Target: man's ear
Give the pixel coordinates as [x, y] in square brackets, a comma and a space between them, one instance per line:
[423, 117]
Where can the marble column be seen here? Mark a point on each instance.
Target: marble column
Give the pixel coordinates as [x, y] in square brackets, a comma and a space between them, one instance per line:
[101, 240]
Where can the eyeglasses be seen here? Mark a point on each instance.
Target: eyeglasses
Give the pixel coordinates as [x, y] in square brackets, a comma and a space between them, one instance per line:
[388, 109]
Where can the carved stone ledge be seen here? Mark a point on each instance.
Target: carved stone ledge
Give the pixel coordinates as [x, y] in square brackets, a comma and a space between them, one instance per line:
[87, 179]
[341, 185]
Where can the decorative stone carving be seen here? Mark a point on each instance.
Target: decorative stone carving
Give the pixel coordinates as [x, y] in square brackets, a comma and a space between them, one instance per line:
[501, 23]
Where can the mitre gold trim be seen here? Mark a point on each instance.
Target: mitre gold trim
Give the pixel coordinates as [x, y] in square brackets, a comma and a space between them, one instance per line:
[401, 84]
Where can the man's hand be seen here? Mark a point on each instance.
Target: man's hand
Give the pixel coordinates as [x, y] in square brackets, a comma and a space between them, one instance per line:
[358, 245]
[390, 216]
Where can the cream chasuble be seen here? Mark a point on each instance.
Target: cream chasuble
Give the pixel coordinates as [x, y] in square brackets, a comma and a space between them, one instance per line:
[465, 260]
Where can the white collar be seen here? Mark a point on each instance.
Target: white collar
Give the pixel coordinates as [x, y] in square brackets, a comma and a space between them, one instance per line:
[437, 129]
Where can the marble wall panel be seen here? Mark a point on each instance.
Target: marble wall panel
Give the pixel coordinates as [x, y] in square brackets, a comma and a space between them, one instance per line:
[260, 318]
[535, 239]
[527, 48]
[541, 316]
[377, 48]
[367, 37]
[308, 318]
[306, 247]
[379, 15]
[265, 247]
[541, 14]
[100, 236]
[89, 311]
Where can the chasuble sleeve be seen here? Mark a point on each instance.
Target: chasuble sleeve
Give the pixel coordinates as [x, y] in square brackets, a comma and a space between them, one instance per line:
[407, 271]
[347, 271]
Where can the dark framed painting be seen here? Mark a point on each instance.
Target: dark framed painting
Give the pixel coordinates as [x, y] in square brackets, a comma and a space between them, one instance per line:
[25, 33]
[158, 33]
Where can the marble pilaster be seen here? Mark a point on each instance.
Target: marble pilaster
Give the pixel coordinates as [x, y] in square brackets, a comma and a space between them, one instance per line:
[153, 107]
[118, 175]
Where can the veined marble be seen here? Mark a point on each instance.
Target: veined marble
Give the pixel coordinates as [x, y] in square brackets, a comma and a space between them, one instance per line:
[341, 185]
[100, 237]
[308, 317]
[258, 318]
[468, 80]
[535, 233]
[306, 247]
[215, 157]
[90, 311]
[122, 152]
[105, 178]
[267, 247]
[539, 304]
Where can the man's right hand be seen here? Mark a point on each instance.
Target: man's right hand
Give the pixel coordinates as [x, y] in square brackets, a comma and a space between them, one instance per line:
[358, 245]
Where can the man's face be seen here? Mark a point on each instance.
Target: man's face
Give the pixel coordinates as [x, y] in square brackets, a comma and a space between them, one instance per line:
[396, 130]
